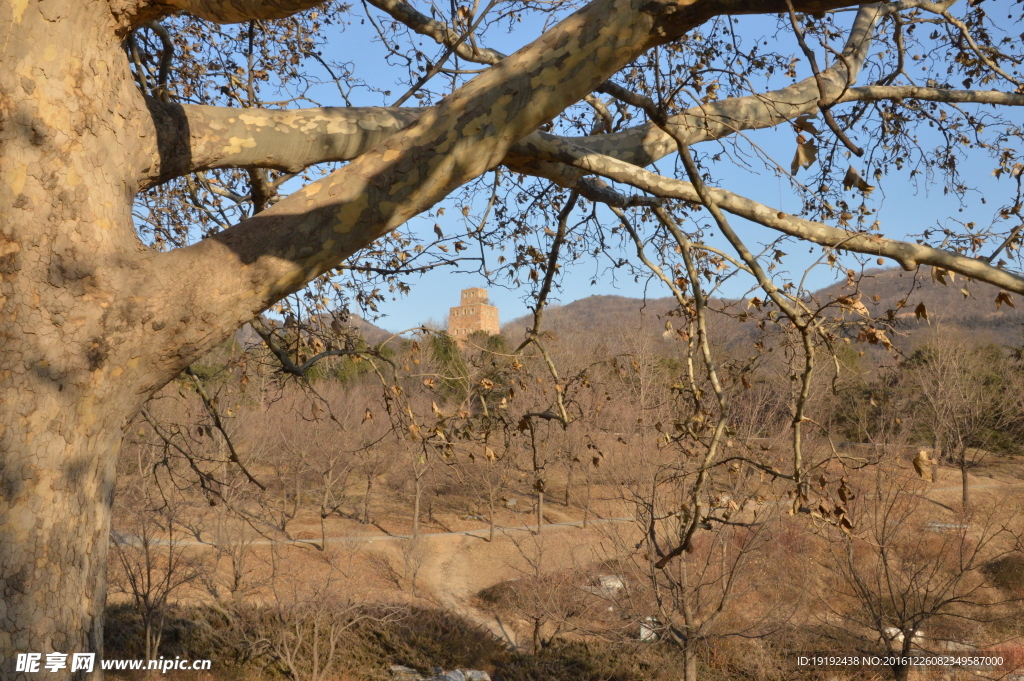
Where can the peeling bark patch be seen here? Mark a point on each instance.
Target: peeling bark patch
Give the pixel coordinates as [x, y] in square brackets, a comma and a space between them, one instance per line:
[76, 472]
[15, 583]
[99, 350]
[9, 264]
[11, 483]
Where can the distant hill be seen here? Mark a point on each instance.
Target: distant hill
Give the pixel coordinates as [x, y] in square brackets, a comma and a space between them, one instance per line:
[372, 333]
[596, 314]
[974, 316]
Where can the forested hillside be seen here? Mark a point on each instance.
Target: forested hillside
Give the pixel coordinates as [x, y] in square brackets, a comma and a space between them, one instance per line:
[972, 310]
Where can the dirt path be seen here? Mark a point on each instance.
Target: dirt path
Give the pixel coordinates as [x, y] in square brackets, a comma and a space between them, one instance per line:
[457, 568]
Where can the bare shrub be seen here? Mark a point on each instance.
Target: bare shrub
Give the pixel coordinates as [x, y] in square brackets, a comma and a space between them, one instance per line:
[152, 563]
[907, 578]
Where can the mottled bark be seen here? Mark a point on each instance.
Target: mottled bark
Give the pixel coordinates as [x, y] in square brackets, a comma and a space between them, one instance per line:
[67, 255]
[187, 138]
[237, 11]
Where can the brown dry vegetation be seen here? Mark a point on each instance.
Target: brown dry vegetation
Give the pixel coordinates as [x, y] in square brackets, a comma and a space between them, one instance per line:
[334, 527]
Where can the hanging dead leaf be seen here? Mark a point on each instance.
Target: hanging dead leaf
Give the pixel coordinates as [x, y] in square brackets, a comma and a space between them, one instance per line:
[924, 465]
[875, 337]
[1004, 297]
[939, 275]
[805, 124]
[806, 154]
[368, 416]
[853, 179]
[921, 312]
[853, 303]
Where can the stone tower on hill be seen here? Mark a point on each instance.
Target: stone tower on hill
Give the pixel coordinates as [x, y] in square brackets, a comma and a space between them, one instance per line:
[474, 314]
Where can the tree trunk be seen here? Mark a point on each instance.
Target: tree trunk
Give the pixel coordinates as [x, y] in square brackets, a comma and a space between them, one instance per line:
[586, 507]
[689, 662]
[70, 372]
[154, 632]
[965, 485]
[416, 507]
[540, 511]
[490, 514]
[366, 501]
[54, 530]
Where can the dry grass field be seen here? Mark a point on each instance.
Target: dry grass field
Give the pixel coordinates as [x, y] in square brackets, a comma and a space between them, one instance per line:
[423, 504]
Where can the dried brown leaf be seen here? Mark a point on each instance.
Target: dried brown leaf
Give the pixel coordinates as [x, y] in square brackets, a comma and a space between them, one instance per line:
[853, 179]
[921, 312]
[924, 465]
[806, 154]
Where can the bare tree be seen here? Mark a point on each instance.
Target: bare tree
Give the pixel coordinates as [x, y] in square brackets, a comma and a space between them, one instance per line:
[911, 582]
[550, 600]
[153, 563]
[966, 393]
[303, 629]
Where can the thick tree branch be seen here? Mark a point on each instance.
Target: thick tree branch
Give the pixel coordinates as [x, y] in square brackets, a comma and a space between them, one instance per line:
[872, 93]
[193, 138]
[237, 11]
[190, 138]
[646, 144]
[443, 34]
[908, 255]
[196, 138]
